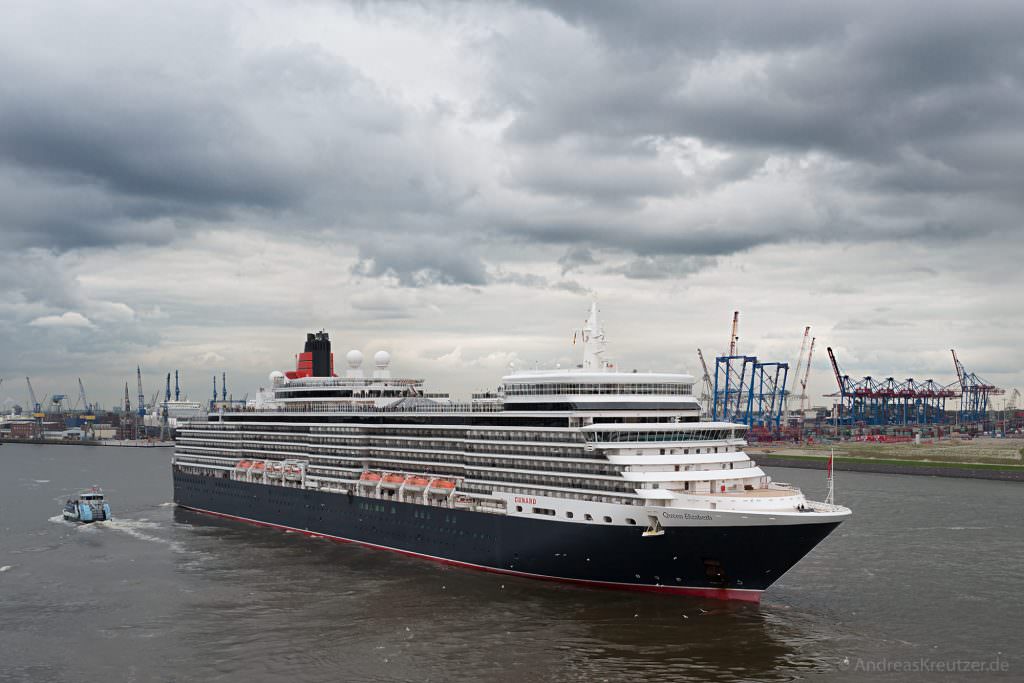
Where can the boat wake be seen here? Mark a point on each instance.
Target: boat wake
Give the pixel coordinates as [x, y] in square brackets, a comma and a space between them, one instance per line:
[141, 529]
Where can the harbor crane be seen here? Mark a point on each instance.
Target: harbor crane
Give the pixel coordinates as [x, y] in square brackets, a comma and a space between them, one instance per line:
[734, 336]
[37, 407]
[805, 399]
[708, 394]
[799, 363]
[89, 413]
[974, 393]
[142, 397]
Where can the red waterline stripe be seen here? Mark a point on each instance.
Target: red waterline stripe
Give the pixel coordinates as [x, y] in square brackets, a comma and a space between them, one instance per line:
[741, 594]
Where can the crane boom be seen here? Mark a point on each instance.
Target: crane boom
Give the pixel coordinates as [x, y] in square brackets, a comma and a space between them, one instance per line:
[706, 380]
[835, 369]
[805, 399]
[37, 407]
[81, 395]
[734, 337]
[961, 374]
[799, 361]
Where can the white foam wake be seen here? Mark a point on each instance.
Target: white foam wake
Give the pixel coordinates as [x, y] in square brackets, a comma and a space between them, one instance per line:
[140, 529]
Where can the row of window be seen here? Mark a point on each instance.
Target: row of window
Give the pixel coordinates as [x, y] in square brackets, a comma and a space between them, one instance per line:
[582, 388]
[570, 515]
[687, 435]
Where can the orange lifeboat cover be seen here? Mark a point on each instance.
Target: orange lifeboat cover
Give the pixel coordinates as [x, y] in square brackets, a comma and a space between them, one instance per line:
[369, 476]
[394, 478]
[443, 484]
[259, 465]
[243, 464]
[416, 481]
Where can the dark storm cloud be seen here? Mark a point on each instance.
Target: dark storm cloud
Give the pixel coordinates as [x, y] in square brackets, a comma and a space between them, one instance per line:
[652, 129]
[915, 98]
[113, 151]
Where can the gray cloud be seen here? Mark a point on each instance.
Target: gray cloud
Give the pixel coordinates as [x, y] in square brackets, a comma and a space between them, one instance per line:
[493, 147]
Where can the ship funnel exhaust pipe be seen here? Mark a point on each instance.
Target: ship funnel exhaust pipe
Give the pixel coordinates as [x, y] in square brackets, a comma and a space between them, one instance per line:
[319, 345]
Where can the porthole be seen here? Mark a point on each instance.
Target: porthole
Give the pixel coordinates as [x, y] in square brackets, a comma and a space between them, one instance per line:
[630, 521]
[607, 519]
[569, 515]
[588, 517]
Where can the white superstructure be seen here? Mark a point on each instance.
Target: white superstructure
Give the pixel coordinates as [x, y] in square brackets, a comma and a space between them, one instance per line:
[590, 444]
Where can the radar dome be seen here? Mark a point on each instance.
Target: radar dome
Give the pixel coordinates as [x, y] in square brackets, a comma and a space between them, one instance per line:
[354, 358]
[276, 375]
[381, 359]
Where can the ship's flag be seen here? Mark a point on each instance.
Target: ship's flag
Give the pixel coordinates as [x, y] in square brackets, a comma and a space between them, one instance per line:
[828, 467]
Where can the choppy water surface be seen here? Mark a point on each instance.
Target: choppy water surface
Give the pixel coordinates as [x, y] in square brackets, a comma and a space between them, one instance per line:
[928, 571]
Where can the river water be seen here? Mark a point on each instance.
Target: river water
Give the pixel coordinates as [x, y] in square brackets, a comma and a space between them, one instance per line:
[927, 576]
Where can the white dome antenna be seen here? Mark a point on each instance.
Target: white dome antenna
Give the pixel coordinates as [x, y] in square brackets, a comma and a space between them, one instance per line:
[381, 361]
[354, 359]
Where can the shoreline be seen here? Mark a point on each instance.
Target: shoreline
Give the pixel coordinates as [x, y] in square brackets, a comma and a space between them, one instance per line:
[962, 470]
[89, 442]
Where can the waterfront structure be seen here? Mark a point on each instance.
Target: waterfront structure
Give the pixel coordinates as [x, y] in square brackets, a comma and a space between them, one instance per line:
[584, 475]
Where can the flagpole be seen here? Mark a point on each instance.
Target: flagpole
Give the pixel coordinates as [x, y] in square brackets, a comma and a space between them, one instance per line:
[830, 498]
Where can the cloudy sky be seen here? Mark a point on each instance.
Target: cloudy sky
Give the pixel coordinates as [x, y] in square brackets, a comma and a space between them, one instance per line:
[194, 185]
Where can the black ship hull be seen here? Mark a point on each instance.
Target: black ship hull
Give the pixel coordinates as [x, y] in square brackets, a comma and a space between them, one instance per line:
[721, 562]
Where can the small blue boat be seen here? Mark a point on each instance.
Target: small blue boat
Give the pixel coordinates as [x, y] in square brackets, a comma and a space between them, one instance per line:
[90, 507]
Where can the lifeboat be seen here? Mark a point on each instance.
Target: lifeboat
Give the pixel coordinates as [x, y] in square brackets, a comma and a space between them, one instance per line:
[369, 478]
[293, 472]
[442, 486]
[393, 480]
[258, 467]
[416, 482]
[274, 470]
[243, 465]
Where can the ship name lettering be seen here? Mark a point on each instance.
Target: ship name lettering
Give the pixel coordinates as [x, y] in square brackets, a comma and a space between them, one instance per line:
[528, 501]
[687, 515]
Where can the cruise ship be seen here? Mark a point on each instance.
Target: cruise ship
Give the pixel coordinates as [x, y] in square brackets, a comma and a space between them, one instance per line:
[587, 475]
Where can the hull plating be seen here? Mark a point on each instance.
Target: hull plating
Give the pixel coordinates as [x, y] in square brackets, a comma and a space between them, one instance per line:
[720, 562]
